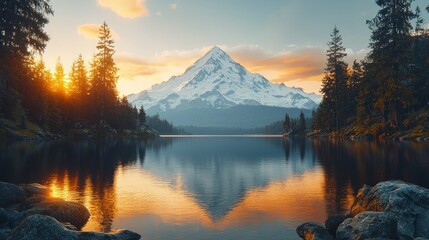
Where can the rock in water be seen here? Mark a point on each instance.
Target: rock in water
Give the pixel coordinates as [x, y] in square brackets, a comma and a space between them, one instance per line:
[63, 211]
[38, 227]
[313, 231]
[36, 189]
[11, 194]
[408, 204]
[368, 225]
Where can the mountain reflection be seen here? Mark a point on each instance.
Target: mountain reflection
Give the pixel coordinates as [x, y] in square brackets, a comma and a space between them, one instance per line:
[216, 184]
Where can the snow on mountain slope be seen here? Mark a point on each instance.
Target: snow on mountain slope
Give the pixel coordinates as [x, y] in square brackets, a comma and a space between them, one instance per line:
[217, 81]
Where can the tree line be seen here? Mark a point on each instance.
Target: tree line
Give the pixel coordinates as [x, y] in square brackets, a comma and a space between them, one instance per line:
[389, 85]
[30, 92]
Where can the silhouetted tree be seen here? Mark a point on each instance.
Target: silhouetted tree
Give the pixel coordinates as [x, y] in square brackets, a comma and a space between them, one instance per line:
[21, 32]
[334, 85]
[390, 54]
[79, 90]
[142, 116]
[103, 77]
[287, 124]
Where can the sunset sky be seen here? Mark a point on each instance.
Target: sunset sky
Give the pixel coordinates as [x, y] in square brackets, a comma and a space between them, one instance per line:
[284, 40]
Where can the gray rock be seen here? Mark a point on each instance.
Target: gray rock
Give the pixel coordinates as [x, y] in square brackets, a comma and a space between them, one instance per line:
[313, 231]
[4, 233]
[63, 211]
[31, 202]
[408, 204]
[332, 223]
[11, 194]
[10, 218]
[368, 225]
[39, 227]
[36, 189]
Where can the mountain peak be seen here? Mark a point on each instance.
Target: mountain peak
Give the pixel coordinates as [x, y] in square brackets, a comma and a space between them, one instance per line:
[216, 53]
[216, 49]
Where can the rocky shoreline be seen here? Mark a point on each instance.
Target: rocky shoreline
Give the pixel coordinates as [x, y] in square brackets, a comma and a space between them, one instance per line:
[389, 210]
[30, 212]
[32, 132]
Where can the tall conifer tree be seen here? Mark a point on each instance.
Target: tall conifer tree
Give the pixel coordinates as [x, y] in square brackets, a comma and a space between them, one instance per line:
[334, 84]
[103, 77]
[391, 57]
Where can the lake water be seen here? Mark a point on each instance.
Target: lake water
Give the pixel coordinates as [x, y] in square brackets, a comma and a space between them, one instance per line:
[211, 187]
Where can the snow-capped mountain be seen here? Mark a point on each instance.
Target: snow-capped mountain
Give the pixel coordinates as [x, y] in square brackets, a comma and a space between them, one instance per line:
[216, 81]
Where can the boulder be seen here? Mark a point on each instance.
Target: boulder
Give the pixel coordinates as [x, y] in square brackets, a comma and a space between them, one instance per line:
[40, 227]
[32, 201]
[408, 204]
[313, 231]
[4, 232]
[11, 194]
[332, 223]
[63, 211]
[10, 218]
[368, 225]
[36, 189]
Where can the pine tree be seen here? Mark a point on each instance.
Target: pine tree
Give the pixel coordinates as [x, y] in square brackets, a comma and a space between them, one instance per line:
[419, 29]
[353, 84]
[40, 98]
[334, 84]
[79, 90]
[21, 32]
[142, 116]
[103, 77]
[390, 55]
[58, 84]
[287, 124]
[21, 28]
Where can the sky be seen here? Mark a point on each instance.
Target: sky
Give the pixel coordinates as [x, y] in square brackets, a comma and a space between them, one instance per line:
[284, 40]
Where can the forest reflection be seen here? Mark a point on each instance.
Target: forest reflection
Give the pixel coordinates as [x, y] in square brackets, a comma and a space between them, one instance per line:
[218, 184]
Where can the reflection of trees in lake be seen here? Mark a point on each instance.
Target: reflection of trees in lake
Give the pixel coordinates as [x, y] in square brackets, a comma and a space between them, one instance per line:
[295, 145]
[85, 167]
[348, 165]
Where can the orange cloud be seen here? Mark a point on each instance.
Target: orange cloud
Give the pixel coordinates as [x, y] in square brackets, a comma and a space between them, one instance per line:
[91, 31]
[173, 6]
[126, 8]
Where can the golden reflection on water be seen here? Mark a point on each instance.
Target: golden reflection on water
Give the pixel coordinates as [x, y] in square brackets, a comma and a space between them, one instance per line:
[136, 192]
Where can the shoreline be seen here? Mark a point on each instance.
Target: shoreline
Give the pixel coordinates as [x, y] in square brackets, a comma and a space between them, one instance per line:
[28, 211]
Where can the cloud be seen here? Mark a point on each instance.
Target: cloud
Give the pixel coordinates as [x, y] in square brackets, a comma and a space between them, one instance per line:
[91, 31]
[173, 6]
[159, 13]
[296, 66]
[126, 8]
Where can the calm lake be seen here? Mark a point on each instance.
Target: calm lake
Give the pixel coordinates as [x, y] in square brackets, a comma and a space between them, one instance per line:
[211, 187]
